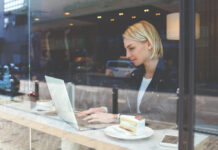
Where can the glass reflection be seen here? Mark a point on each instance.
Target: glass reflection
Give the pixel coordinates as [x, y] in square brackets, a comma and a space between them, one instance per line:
[206, 73]
[81, 42]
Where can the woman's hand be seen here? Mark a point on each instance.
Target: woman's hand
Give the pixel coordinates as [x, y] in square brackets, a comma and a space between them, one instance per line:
[91, 111]
[102, 118]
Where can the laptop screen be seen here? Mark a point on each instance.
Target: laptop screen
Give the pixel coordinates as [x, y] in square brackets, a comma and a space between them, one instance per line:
[59, 95]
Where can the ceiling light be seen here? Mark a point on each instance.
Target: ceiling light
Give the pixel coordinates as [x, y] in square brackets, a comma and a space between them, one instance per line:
[121, 14]
[67, 13]
[146, 10]
[133, 17]
[112, 19]
[99, 17]
[157, 14]
[71, 24]
[36, 19]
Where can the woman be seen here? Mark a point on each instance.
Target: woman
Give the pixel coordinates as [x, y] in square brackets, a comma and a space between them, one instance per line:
[144, 48]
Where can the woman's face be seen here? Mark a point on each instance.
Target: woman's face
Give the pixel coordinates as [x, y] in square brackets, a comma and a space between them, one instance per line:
[138, 52]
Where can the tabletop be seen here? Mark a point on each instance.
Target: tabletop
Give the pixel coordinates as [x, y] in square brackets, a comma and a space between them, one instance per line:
[30, 114]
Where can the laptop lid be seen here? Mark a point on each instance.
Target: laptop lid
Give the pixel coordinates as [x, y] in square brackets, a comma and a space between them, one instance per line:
[59, 95]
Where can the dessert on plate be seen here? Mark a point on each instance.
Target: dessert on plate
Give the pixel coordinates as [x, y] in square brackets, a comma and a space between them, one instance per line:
[133, 124]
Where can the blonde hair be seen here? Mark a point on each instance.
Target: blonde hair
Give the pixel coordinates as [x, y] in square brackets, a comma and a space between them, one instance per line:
[143, 31]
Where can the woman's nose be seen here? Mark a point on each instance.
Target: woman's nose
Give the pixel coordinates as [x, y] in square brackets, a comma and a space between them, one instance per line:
[127, 54]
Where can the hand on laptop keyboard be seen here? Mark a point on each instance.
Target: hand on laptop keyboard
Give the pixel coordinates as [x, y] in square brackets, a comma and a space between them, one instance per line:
[101, 117]
[91, 111]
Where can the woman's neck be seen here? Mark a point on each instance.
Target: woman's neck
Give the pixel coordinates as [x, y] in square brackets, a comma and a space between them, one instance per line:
[150, 67]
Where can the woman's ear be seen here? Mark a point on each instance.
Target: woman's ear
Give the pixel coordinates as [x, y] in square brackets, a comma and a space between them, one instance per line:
[149, 45]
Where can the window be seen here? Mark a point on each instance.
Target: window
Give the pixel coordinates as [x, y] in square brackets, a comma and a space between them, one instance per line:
[10, 5]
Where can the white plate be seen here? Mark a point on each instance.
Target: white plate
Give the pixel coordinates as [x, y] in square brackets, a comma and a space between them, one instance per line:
[116, 132]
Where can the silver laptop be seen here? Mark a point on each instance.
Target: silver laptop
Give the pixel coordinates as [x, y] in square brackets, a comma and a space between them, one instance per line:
[59, 95]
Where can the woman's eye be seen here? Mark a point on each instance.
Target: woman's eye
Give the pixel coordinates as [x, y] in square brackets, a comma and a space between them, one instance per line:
[132, 48]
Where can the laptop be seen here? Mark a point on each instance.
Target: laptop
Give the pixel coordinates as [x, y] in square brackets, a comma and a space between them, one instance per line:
[59, 95]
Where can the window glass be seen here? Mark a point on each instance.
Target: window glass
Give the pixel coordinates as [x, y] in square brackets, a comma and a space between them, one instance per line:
[206, 73]
[79, 44]
[13, 49]
[13, 68]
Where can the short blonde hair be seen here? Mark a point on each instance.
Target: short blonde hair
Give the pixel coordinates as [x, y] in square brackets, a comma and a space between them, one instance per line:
[143, 31]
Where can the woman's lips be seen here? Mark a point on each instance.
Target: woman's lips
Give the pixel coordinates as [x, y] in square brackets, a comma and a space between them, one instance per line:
[132, 60]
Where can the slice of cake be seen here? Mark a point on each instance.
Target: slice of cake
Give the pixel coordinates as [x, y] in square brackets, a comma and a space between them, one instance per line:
[134, 124]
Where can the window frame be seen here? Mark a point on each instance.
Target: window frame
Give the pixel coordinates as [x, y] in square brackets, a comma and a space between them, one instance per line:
[186, 103]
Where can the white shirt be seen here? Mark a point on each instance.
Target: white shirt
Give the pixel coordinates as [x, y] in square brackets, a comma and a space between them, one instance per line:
[142, 89]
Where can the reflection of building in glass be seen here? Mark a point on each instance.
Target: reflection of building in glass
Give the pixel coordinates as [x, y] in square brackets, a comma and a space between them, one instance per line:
[10, 5]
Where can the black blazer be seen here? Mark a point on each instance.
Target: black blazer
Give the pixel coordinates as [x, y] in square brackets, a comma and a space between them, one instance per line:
[159, 101]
